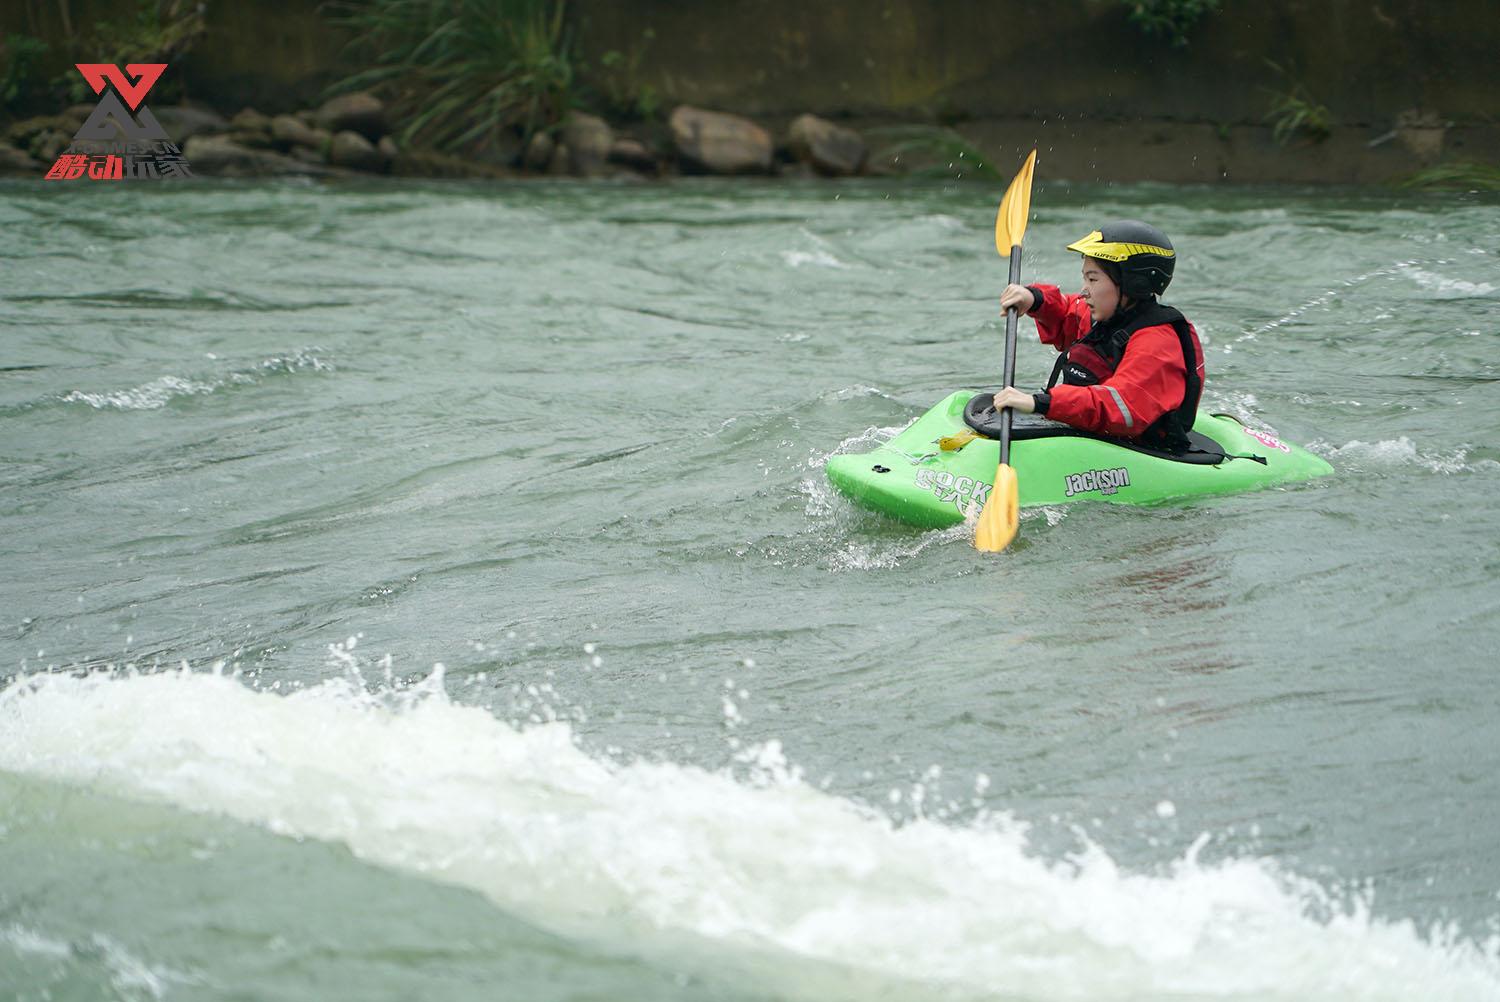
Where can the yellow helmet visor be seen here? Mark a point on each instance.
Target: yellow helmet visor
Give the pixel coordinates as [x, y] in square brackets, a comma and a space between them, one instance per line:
[1095, 246]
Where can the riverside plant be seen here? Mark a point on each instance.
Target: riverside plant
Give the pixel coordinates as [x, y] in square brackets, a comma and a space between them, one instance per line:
[21, 81]
[457, 71]
[1169, 19]
[1295, 112]
[131, 31]
[1461, 175]
[625, 93]
[931, 147]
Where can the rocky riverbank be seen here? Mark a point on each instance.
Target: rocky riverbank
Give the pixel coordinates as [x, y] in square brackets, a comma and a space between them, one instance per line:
[352, 134]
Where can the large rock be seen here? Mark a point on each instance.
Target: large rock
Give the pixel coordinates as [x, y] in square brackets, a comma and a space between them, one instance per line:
[14, 161]
[48, 146]
[588, 139]
[183, 122]
[630, 152]
[360, 112]
[248, 137]
[538, 152]
[288, 131]
[354, 151]
[833, 150]
[250, 120]
[24, 131]
[499, 147]
[307, 155]
[217, 156]
[718, 143]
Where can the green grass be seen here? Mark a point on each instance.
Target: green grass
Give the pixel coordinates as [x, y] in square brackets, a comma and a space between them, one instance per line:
[623, 92]
[932, 151]
[1461, 175]
[1169, 19]
[1295, 112]
[457, 71]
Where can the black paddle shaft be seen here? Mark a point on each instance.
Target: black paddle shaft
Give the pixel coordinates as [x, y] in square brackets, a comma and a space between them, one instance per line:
[1012, 318]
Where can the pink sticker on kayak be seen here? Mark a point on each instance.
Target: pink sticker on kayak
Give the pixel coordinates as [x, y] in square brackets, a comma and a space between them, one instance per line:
[1268, 440]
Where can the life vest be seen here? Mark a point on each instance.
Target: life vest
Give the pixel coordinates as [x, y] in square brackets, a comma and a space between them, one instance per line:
[1093, 359]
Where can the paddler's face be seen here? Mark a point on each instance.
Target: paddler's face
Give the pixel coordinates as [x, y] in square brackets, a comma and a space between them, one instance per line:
[1101, 294]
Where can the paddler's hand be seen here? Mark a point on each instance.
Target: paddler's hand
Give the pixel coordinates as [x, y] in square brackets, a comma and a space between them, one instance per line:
[1011, 397]
[1018, 296]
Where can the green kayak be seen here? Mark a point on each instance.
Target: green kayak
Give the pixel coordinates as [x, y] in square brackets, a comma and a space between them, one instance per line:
[913, 478]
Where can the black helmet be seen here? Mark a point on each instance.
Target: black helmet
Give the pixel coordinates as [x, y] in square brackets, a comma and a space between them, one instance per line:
[1140, 252]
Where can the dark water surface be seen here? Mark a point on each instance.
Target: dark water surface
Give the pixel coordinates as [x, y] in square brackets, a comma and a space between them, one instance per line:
[702, 729]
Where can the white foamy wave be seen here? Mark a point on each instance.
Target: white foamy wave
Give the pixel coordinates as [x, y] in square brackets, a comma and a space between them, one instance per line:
[1442, 285]
[872, 437]
[811, 895]
[1359, 456]
[146, 397]
[128, 974]
[819, 494]
[1053, 513]
[864, 556]
[162, 391]
[851, 392]
[819, 258]
[28, 942]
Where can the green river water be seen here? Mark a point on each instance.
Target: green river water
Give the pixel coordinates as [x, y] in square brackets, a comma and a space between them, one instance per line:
[431, 591]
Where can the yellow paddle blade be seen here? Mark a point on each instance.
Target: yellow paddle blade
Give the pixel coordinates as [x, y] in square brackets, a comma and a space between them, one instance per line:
[1002, 516]
[1015, 207]
[952, 443]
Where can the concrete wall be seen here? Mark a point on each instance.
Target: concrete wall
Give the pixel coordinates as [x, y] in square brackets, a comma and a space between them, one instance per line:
[1099, 97]
[273, 54]
[1365, 59]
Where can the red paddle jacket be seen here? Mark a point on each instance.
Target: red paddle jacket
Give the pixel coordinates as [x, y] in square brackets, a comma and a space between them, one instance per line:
[1148, 382]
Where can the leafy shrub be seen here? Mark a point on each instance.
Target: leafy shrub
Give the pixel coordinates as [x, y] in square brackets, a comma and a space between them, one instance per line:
[624, 93]
[1169, 19]
[459, 70]
[1294, 112]
[21, 76]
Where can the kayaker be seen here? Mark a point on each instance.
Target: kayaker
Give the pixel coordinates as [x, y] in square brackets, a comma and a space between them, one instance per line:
[1125, 358]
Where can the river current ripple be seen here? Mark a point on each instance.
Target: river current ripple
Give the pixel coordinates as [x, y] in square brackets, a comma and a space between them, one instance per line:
[426, 588]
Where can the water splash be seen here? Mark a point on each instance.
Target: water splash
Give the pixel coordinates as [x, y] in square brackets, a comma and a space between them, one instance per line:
[1358, 456]
[820, 258]
[128, 974]
[765, 876]
[148, 396]
[160, 392]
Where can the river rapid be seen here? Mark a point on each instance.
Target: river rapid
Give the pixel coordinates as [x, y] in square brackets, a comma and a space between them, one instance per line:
[431, 591]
